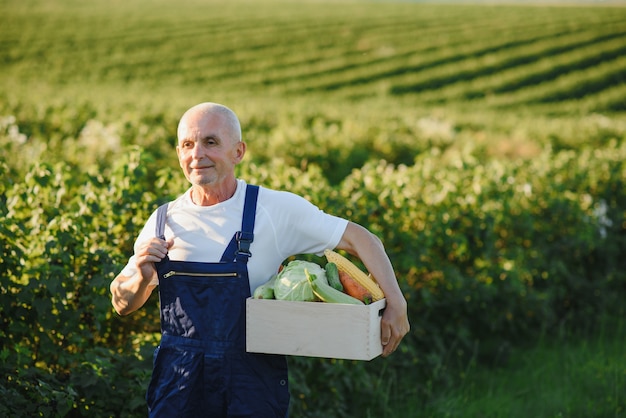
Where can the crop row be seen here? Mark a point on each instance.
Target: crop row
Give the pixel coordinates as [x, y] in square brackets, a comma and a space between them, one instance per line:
[516, 71]
[435, 53]
[368, 60]
[572, 85]
[493, 61]
[386, 63]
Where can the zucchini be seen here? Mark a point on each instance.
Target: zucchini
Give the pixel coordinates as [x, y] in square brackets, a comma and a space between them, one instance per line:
[328, 293]
[266, 290]
[332, 274]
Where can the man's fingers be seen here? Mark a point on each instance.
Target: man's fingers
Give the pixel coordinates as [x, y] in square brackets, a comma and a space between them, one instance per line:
[385, 336]
[390, 340]
[156, 247]
[157, 251]
[389, 349]
[385, 339]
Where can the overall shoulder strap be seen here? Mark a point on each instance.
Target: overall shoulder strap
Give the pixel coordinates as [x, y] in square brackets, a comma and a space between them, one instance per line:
[246, 235]
[160, 223]
[239, 246]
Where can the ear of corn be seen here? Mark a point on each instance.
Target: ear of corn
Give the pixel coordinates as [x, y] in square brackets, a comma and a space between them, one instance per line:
[345, 265]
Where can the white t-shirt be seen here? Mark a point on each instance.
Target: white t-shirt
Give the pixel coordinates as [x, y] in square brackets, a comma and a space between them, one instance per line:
[286, 224]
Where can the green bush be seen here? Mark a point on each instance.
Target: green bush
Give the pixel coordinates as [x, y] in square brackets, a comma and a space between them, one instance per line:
[488, 252]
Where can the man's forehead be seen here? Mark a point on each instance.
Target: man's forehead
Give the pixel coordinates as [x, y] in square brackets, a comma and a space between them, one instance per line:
[209, 122]
[202, 127]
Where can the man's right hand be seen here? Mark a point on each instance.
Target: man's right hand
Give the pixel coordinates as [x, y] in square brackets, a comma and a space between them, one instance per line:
[130, 293]
[148, 253]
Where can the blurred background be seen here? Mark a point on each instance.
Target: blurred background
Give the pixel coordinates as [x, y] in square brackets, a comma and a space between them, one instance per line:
[483, 142]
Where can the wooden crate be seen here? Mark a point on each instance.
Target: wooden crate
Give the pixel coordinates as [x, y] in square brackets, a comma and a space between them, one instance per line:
[314, 329]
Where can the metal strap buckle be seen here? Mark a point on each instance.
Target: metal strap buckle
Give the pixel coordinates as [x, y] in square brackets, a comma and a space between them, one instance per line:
[244, 240]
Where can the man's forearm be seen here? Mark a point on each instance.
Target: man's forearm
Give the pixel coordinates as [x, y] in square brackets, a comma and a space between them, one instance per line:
[129, 293]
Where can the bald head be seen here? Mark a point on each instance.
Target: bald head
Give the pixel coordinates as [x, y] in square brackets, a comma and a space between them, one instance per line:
[209, 147]
[200, 113]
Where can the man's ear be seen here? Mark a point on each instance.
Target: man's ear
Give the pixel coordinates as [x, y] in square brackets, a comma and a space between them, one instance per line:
[178, 154]
[240, 152]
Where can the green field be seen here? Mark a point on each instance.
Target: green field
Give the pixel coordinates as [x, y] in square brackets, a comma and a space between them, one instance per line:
[487, 56]
[484, 143]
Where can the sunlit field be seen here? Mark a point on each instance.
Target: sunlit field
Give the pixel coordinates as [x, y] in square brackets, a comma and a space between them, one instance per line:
[484, 144]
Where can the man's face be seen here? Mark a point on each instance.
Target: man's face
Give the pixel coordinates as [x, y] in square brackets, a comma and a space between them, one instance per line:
[207, 149]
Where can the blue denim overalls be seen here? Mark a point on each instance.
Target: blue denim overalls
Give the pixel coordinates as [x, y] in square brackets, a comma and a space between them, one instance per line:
[201, 368]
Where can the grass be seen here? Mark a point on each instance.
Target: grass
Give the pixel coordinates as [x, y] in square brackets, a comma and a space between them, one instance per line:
[558, 376]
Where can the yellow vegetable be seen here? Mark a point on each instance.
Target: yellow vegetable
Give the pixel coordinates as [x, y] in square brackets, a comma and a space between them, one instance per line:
[345, 265]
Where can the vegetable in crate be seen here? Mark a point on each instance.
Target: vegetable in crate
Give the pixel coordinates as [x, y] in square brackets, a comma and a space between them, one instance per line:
[327, 293]
[266, 290]
[332, 275]
[345, 265]
[292, 284]
[354, 288]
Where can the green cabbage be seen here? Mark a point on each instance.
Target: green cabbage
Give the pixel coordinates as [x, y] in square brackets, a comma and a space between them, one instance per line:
[292, 284]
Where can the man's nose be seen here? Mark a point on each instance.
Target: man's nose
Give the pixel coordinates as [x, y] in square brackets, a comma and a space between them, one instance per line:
[196, 151]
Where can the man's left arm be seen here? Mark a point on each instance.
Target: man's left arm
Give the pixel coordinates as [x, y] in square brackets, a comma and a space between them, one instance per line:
[361, 243]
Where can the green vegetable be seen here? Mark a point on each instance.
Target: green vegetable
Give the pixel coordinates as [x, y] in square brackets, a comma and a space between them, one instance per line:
[332, 275]
[292, 284]
[328, 293]
[266, 290]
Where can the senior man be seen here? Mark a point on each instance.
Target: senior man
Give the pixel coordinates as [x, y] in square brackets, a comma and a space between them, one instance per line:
[207, 251]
